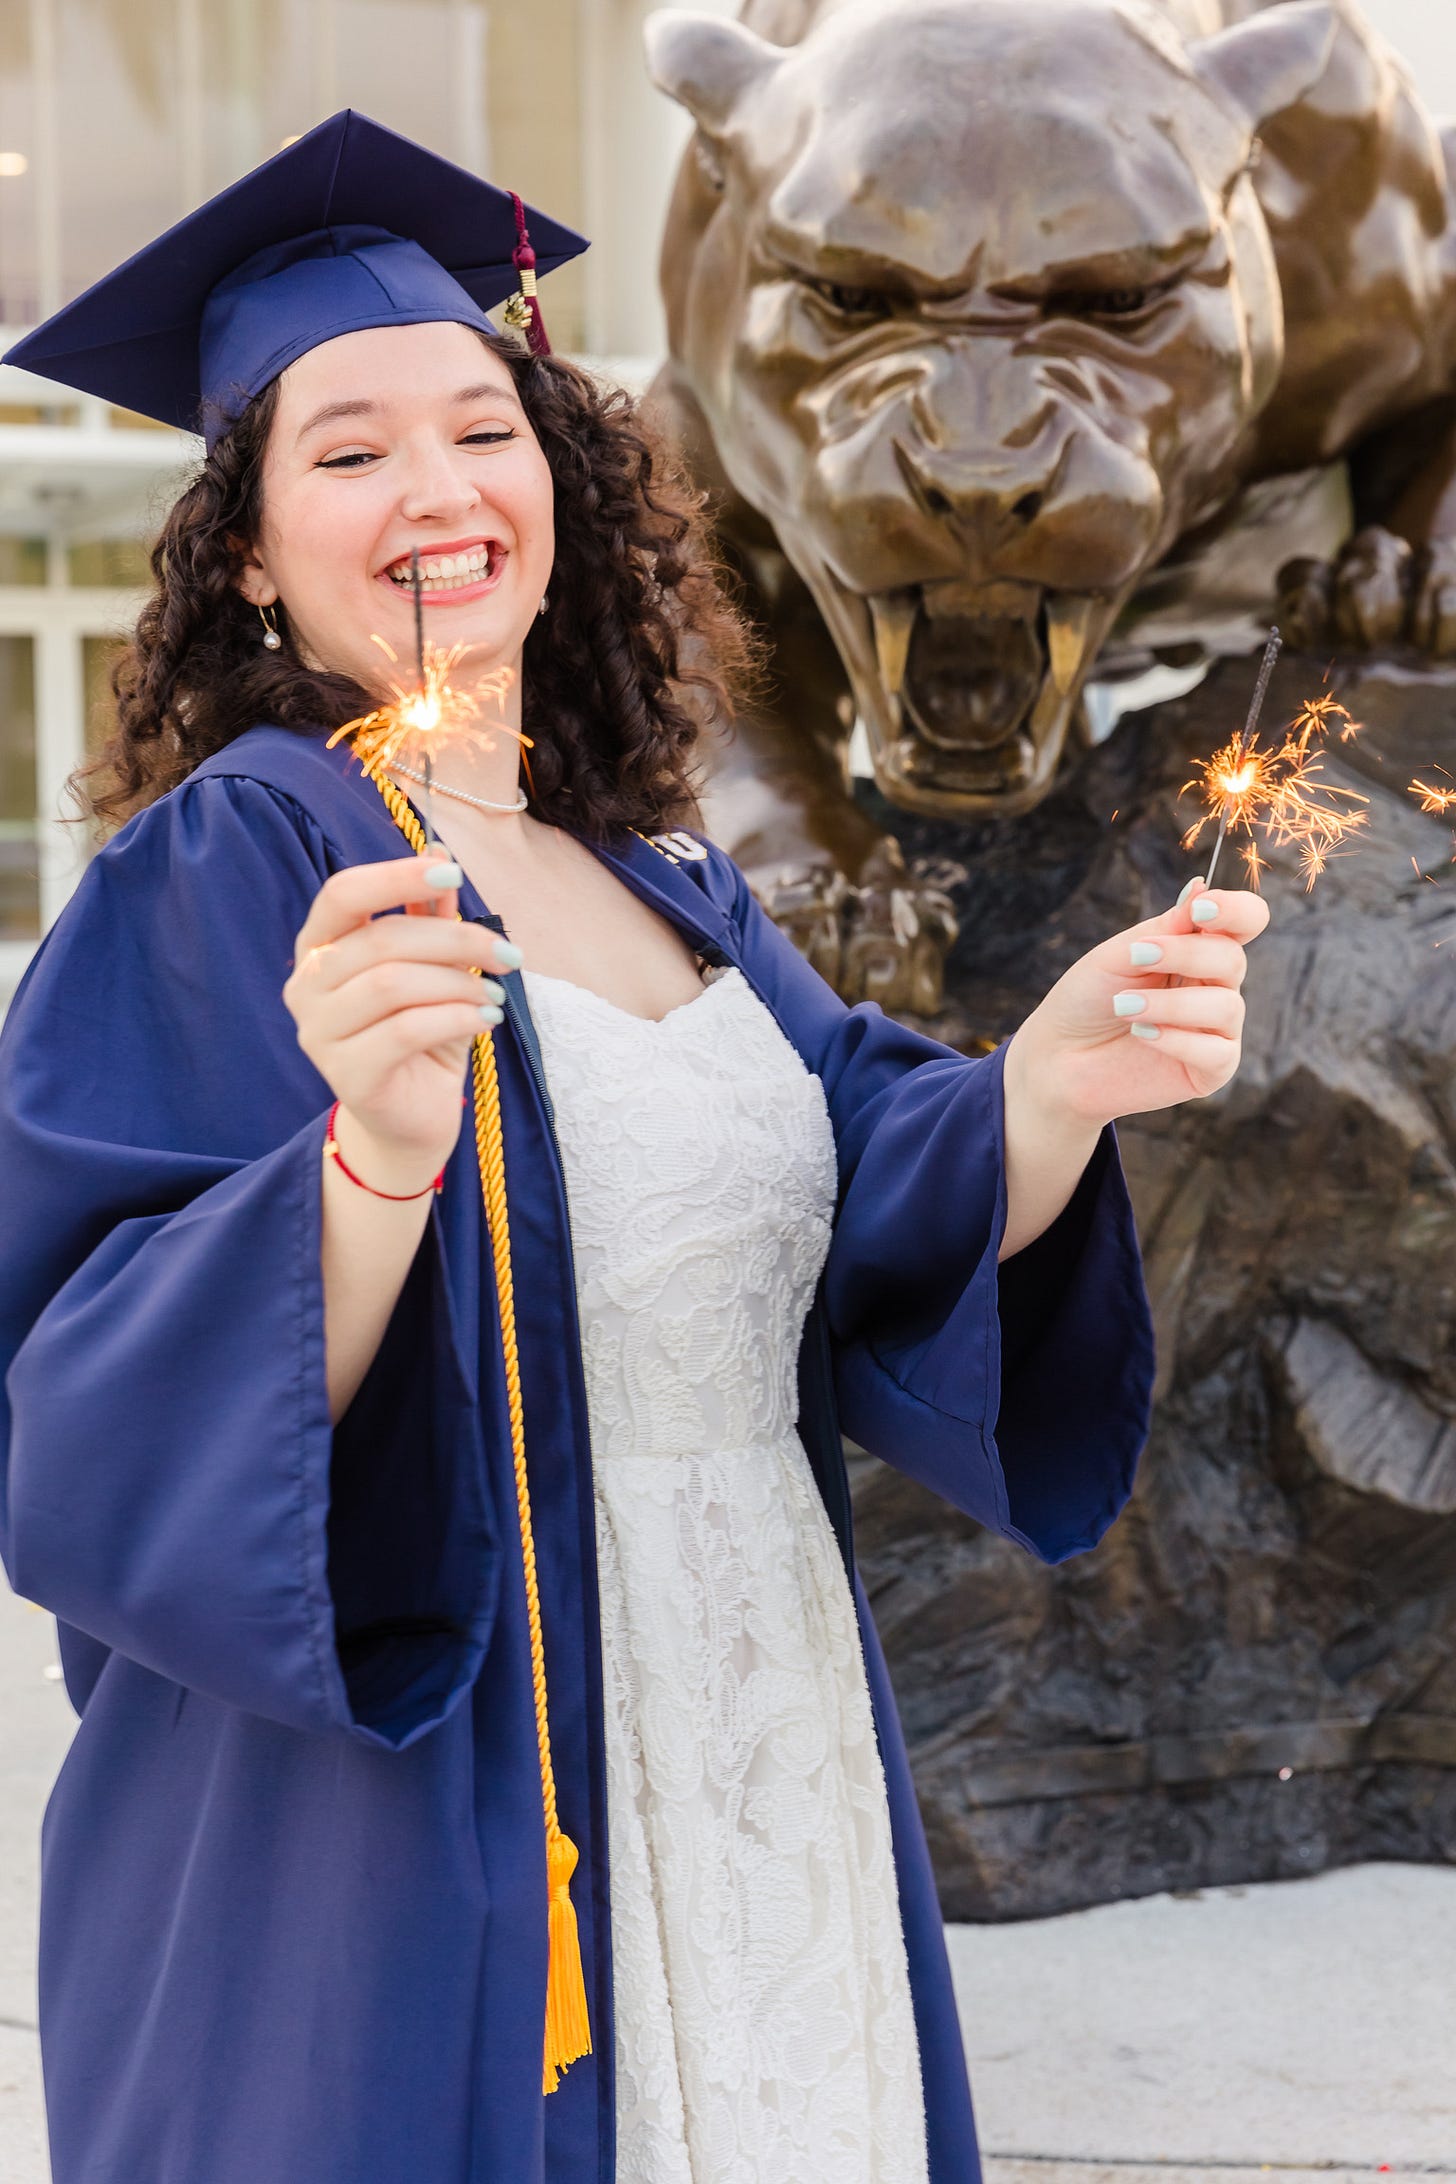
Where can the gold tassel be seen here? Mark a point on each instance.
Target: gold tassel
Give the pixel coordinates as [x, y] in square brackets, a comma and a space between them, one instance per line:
[568, 2033]
[567, 2029]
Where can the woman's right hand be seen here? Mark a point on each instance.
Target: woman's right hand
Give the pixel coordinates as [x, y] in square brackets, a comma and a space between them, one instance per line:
[387, 1009]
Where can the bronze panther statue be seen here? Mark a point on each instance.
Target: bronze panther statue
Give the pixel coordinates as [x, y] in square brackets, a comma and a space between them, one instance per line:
[1012, 336]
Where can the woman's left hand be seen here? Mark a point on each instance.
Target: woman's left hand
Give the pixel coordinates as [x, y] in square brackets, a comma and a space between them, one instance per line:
[1118, 1035]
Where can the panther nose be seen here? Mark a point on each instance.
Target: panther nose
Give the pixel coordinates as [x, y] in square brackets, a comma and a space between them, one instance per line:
[985, 504]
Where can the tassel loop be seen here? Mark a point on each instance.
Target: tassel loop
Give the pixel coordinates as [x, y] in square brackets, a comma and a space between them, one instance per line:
[524, 310]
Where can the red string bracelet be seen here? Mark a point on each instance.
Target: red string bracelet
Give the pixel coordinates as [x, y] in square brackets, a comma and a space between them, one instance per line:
[331, 1149]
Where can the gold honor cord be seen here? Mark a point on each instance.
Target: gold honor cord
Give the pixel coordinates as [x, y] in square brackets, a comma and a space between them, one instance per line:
[568, 2031]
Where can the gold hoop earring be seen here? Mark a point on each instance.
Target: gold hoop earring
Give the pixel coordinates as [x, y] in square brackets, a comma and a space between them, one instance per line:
[271, 639]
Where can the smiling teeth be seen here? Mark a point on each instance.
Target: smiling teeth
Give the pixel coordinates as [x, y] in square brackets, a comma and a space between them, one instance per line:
[443, 572]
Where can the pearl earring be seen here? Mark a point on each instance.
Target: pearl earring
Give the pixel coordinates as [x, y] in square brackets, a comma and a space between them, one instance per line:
[545, 603]
[271, 639]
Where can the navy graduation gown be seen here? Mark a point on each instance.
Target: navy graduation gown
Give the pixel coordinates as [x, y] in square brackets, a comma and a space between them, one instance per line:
[293, 1866]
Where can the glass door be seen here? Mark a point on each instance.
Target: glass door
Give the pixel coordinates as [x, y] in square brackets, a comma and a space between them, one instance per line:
[20, 897]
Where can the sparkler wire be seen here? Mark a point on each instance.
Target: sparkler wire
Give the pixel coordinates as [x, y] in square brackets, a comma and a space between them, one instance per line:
[1256, 707]
[429, 796]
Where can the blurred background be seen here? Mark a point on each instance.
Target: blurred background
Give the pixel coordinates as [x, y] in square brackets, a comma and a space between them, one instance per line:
[118, 116]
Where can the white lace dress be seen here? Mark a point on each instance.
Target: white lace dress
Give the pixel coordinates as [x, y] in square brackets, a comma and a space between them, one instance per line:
[762, 1998]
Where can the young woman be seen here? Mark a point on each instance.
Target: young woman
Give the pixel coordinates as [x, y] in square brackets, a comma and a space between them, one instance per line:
[427, 1349]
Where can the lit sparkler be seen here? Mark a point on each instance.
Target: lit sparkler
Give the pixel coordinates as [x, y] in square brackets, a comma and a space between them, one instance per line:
[418, 718]
[1239, 772]
[431, 712]
[1279, 790]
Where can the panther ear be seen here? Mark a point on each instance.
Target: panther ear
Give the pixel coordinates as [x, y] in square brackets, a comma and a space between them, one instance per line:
[1269, 62]
[708, 63]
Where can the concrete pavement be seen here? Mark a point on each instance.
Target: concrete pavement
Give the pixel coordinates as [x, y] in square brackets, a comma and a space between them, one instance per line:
[1300, 2033]
[35, 1729]
[1301, 2025]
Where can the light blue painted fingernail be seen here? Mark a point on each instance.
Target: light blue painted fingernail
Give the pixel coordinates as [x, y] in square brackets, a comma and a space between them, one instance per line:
[1144, 1031]
[444, 875]
[1129, 1004]
[1144, 952]
[1188, 890]
[492, 989]
[1204, 911]
[507, 954]
[490, 1015]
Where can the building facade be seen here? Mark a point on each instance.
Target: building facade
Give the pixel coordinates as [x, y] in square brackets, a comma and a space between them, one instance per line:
[119, 116]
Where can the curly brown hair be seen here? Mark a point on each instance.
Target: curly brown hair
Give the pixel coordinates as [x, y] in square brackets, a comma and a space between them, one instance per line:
[643, 643]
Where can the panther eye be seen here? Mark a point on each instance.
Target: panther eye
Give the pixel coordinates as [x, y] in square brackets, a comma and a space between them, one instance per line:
[853, 302]
[1105, 303]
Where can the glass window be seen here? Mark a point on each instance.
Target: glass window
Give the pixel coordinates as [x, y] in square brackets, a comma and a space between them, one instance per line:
[259, 70]
[20, 297]
[118, 130]
[19, 850]
[59, 412]
[270, 74]
[22, 560]
[126, 420]
[120, 563]
[158, 105]
[97, 656]
[419, 67]
[535, 67]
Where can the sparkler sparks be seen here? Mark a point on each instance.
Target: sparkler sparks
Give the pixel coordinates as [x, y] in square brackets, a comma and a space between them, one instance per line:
[431, 713]
[1436, 801]
[1279, 789]
[1316, 717]
[423, 717]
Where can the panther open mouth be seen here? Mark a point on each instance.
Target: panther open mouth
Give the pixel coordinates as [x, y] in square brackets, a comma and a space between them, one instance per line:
[971, 680]
[968, 691]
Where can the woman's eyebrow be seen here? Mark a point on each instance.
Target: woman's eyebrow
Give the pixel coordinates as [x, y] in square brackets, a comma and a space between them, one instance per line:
[330, 411]
[488, 390]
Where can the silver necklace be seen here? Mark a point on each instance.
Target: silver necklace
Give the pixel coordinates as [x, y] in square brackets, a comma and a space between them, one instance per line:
[439, 788]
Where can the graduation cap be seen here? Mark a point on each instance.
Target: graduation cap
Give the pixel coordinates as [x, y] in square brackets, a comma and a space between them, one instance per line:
[352, 226]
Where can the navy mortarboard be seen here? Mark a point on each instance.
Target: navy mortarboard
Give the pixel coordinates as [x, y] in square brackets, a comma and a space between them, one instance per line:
[352, 226]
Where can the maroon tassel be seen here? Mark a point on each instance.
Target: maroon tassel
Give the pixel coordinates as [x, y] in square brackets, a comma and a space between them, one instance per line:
[524, 310]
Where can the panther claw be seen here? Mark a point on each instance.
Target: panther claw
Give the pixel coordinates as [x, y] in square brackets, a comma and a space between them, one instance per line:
[884, 938]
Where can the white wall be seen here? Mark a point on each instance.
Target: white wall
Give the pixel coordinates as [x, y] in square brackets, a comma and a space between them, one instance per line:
[1425, 32]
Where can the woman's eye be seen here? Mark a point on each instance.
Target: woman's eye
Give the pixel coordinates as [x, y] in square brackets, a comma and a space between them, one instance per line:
[364, 455]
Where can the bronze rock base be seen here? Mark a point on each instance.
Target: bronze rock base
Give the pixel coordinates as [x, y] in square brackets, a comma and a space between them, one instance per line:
[1255, 1674]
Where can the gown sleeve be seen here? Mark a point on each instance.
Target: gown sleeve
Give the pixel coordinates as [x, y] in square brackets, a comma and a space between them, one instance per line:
[1019, 1392]
[170, 1480]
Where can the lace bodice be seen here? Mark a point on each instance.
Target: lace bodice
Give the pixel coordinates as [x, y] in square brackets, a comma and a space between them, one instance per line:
[699, 1214]
[765, 2033]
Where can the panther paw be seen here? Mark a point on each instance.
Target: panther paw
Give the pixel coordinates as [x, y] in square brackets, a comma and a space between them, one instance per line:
[1381, 595]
